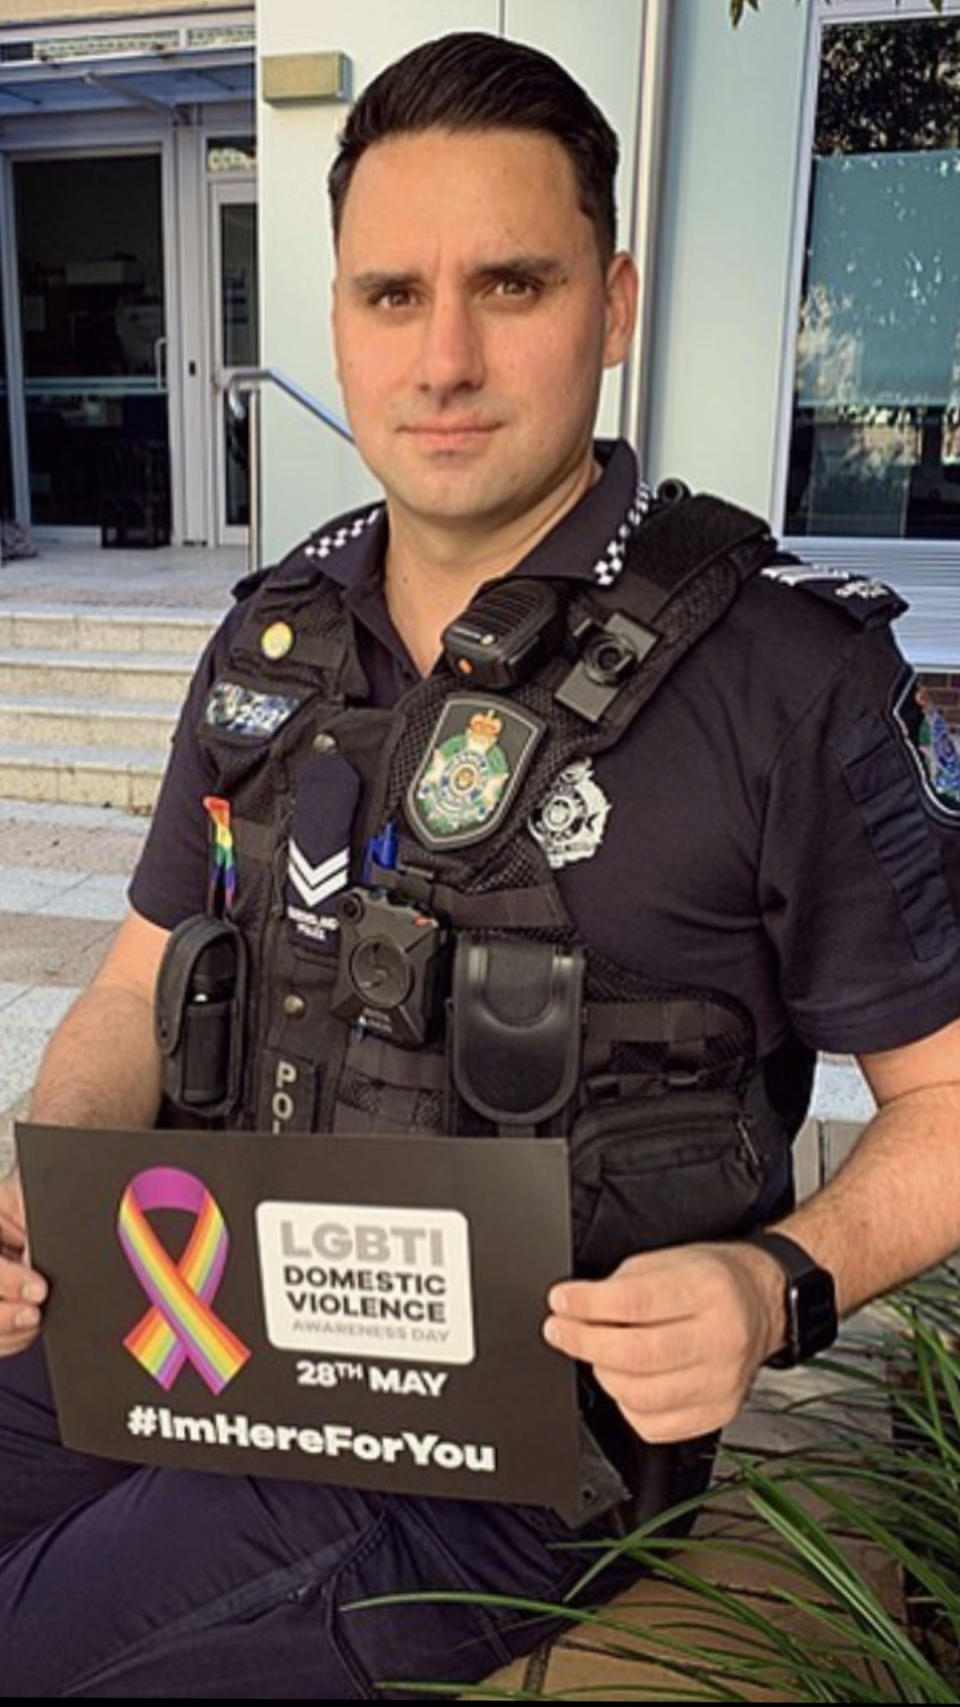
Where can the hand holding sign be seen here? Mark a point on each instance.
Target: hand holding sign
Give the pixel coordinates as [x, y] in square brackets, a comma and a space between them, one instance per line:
[21, 1288]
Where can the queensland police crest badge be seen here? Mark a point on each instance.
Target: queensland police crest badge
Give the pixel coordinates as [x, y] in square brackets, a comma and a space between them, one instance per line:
[931, 746]
[476, 759]
[570, 822]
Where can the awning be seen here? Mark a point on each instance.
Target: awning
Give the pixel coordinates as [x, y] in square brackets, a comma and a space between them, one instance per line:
[164, 80]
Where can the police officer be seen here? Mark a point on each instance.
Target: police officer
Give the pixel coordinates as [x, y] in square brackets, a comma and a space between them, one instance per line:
[760, 826]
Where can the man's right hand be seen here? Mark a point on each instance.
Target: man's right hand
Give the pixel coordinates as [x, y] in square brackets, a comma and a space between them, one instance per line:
[22, 1290]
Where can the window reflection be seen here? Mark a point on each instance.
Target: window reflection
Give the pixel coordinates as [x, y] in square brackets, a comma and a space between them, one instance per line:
[875, 447]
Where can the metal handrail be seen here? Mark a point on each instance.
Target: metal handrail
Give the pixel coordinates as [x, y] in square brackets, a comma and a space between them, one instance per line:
[252, 378]
[243, 397]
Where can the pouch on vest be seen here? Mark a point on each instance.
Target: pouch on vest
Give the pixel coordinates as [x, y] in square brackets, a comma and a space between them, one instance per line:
[648, 1172]
[201, 988]
[516, 1028]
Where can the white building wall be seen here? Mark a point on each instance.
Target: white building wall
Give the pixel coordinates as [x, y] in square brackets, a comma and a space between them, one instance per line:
[308, 473]
[726, 234]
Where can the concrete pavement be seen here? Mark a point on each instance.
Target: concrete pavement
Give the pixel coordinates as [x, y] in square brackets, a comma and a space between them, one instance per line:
[63, 877]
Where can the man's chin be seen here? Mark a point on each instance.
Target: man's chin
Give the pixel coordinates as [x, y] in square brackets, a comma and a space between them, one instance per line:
[452, 499]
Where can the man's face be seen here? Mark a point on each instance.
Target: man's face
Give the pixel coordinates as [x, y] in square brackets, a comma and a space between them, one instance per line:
[472, 321]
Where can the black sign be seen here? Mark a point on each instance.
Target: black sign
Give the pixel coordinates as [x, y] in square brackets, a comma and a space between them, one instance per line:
[356, 1310]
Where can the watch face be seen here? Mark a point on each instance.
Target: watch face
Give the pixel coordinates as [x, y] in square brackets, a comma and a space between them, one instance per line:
[813, 1313]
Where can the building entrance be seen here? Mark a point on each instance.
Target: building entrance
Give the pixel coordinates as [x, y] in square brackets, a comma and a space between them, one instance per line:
[94, 341]
[122, 302]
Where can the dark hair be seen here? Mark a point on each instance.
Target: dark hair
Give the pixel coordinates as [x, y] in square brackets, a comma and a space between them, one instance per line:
[473, 81]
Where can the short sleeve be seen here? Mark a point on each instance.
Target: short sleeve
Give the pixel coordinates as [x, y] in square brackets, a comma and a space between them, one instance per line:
[170, 881]
[860, 866]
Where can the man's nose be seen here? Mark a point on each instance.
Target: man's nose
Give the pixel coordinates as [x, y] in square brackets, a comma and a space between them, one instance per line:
[451, 353]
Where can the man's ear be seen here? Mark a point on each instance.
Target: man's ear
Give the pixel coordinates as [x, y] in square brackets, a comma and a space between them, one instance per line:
[622, 289]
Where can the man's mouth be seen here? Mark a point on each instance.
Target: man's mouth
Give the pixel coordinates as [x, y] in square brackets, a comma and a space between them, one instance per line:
[450, 432]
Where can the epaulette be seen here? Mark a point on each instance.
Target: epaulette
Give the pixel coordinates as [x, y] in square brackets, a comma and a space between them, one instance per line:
[863, 599]
[306, 560]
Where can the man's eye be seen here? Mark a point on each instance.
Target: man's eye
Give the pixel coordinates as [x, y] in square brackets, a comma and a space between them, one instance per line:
[393, 296]
[518, 288]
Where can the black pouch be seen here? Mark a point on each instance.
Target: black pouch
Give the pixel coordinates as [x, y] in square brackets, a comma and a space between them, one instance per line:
[649, 1172]
[198, 1019]
[516, 1028]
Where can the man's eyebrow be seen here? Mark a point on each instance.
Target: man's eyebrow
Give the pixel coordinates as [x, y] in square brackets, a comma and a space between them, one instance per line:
[546, 267]
[369, 283]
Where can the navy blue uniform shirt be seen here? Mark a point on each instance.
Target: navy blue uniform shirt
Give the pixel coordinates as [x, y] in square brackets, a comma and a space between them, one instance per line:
[769, 826]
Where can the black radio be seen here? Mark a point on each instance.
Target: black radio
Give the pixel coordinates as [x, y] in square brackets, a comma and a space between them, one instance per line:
[504, 632]
[388, 971]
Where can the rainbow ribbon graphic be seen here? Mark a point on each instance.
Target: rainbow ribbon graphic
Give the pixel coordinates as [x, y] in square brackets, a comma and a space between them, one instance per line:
[179, 1325]
[223, 873]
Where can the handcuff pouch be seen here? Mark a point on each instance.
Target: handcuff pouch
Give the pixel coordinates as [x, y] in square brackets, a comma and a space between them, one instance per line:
[516, 1028]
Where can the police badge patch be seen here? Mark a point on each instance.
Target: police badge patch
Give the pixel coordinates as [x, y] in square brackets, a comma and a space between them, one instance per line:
[932, 747]
[244, 711]
[569, 824]
[476, 759]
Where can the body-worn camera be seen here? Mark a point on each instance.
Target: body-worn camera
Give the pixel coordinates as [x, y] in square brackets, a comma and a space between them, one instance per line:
[388, 973]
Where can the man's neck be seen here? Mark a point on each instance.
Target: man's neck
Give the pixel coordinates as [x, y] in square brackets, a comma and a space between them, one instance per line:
[433, 570]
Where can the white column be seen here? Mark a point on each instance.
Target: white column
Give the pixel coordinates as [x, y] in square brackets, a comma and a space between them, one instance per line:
[191, 377]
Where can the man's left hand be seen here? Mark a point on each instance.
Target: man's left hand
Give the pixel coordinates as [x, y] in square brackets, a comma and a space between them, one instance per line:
[675, 1336]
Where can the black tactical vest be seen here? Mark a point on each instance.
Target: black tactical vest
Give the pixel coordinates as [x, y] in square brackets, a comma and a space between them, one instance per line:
[445, 988]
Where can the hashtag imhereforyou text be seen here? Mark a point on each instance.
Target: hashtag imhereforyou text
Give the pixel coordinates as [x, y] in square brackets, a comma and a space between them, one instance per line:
[330, 1440]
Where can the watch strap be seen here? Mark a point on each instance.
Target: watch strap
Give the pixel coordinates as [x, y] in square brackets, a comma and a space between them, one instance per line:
[810, 1306]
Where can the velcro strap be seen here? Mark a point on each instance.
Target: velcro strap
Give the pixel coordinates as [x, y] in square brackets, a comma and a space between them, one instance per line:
[252, 840]
[408, 1069]
[670, 1022]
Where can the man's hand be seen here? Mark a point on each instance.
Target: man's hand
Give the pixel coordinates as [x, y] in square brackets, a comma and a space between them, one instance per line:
[676, 1336]
[21, 1288]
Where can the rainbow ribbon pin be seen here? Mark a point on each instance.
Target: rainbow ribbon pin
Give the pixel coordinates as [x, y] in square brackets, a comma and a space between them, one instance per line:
[179, 1324]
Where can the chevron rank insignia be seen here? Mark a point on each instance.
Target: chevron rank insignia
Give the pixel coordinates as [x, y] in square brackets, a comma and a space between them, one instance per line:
[318, 851]
[476, 759]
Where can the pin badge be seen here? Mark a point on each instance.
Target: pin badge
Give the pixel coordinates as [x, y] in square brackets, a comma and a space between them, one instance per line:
[276, 641]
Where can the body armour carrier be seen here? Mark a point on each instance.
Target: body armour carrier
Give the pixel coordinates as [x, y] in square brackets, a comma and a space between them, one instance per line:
[442, 987]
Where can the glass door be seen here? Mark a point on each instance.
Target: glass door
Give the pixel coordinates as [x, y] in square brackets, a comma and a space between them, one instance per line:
[236, 344]
[93, 326]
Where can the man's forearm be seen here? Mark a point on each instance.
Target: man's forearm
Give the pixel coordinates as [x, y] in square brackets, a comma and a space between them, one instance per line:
[102, 1066]
[893, 1208]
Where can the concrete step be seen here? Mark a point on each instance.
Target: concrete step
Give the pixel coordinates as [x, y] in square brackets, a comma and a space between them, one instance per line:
[39, 721]
[89, 698]
[136, 677]
[183, 633]
[85, 776]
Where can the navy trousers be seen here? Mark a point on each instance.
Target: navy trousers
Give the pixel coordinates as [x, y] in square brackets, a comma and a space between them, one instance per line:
[119, 1581]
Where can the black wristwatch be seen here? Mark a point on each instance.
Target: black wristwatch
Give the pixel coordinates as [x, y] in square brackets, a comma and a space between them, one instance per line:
[809, 1300]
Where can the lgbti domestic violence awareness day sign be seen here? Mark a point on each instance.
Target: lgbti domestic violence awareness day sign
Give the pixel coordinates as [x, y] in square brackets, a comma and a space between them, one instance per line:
[356, 1310]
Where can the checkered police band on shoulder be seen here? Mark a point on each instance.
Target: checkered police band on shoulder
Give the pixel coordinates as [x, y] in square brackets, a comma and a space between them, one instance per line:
[327, 541]
[864, 598]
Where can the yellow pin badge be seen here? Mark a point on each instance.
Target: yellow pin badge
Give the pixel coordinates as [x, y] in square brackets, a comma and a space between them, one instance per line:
[276, 641]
